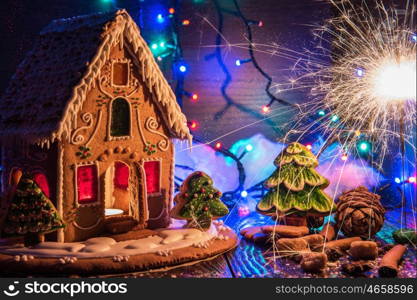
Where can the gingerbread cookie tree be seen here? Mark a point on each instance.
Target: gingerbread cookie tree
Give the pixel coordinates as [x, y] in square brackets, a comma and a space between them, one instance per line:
[198, 201]
[31, 213]
[295, 187]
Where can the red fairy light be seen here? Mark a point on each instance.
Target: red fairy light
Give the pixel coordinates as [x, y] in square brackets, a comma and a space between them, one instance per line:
[193, 125]
[265, 109]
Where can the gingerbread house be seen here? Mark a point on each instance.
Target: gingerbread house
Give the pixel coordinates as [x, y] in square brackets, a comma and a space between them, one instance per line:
[91, 117]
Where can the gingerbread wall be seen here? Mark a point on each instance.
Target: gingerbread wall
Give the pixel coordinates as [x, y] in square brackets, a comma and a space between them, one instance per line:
[92, 143]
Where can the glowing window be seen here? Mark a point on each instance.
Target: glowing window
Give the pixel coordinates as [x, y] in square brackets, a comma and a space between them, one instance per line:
[42, 182]
[121, 175]
[87, 184]
[152, 172]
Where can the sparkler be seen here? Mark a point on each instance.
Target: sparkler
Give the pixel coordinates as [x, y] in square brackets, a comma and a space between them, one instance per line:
[370, 80]
[370, 83]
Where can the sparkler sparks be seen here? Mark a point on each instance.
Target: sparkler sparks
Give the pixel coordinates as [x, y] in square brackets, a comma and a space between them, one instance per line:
[365, 74]
[394, 80]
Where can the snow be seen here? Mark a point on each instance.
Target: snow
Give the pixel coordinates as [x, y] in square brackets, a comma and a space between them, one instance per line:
[259, 165]
[164, 241]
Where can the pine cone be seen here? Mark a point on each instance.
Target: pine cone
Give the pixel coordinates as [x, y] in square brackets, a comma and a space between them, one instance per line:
[359, 213]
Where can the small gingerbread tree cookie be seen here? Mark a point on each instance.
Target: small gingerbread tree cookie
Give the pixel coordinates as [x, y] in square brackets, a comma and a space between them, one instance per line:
[198, 201]
[295, 187]
[31, 214]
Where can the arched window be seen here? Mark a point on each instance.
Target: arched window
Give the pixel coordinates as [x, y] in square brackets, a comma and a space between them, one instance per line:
[120, 118]
[42, 182]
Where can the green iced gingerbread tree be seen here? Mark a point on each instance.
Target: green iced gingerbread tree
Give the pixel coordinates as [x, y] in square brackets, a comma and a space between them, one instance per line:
[296, 187]
[198, 201]
[30, 214]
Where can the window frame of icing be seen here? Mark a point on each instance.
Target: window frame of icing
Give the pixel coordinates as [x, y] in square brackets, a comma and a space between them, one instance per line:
[120, 61]
[98, 198]
[110, 137]
[142, 163]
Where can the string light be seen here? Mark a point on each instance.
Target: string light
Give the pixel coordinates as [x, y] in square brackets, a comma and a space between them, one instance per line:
[344, 157]
[251, 51]
[160, 18]
[334, 118]
[321, 113]
[158, 47]
[411, 179]
[218, 145]
[265, 109]
[193, 125]
[194, 97]
[364, 146]
[244, 194]
[240, 62]
[309, 147]
[249, 147]
[171, 10]
[186, 22]
[182, 68]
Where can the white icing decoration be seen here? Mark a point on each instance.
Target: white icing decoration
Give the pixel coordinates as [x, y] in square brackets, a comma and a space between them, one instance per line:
[76, 137]
[99, 114]
[151, 124]
[142, 136]
[164, 242]
[100, 88]
[60, 189]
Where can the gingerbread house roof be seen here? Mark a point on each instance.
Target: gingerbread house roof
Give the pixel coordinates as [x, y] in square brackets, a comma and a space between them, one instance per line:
[50, 85]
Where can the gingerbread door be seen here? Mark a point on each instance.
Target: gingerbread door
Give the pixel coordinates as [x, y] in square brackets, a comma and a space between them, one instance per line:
[118, 189]
[156, 195]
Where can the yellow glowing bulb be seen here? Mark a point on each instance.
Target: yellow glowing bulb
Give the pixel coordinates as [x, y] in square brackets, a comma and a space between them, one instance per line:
[395, 80]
